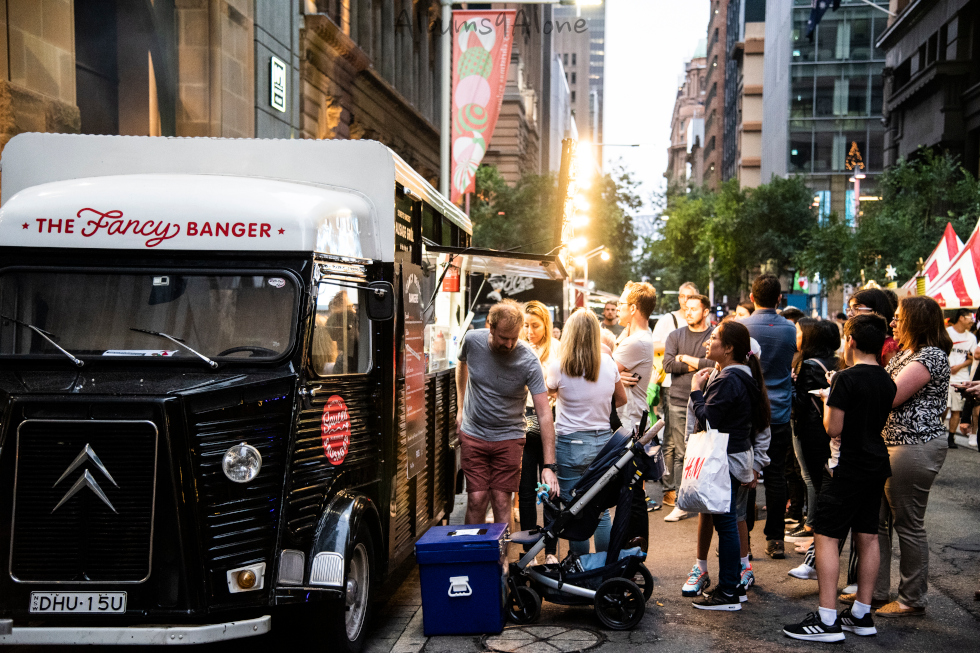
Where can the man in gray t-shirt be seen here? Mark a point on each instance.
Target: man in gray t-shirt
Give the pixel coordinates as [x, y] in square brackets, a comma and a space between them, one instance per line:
[496, 372]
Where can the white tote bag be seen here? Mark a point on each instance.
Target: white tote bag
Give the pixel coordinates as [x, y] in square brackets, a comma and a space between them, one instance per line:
[706, 485]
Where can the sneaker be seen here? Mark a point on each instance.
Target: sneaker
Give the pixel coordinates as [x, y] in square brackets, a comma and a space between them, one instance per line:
[670, 497]
[677, 514]
[814, 630]
[798, 535]
[748, 578]
[804, 572]
[697, 582]
[718, 600]
[952, 442]
[775, 549]
[652, 505]
[791, 521]
[864, 626]
[850, 589]
[972, 439]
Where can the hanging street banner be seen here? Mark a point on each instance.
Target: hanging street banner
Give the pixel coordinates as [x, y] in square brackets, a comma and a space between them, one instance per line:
[481, 53]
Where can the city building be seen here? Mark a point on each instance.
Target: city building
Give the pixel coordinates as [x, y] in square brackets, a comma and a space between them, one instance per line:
[716, 57]
[582, 48]
[745, 38]
[823, 97]
[227, 68]
[932, 82]
[684, 165]
[562, 122]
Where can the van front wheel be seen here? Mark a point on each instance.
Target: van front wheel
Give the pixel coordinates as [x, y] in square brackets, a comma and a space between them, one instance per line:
[347, 620]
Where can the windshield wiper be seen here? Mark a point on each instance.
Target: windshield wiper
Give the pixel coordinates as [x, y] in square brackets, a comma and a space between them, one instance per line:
[47, 336]
[180, 343]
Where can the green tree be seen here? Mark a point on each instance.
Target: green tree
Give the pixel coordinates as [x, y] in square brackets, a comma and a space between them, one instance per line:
[830, 251]
[919, 195]
[523, 218]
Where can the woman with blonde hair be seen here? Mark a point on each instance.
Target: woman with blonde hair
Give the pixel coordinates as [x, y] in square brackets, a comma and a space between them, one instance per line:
[916, 440]
[585, 381]
[537, 333]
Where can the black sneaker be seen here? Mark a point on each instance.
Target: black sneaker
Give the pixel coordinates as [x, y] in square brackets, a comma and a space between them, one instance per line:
[740, 593]
[952, 441]
[798, 535]
[814, 630]
[775, 549]
[718, 600]
[864, 626]
[652, 505]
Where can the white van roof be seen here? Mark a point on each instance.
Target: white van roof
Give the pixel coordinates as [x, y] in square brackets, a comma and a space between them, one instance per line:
[151, 193]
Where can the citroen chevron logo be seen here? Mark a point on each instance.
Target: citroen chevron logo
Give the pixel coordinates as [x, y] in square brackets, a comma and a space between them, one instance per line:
[86, 480]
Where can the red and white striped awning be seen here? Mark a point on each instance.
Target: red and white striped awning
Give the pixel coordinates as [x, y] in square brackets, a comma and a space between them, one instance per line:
[958, 286]
[940, 259]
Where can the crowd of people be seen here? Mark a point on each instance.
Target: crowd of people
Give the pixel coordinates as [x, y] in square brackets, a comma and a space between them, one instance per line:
[846, 422]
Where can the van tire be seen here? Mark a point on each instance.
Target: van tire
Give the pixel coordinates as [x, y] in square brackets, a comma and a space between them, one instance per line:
[347, 620]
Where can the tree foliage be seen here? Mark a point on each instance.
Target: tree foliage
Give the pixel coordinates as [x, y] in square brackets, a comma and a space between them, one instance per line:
[523, 218]
[919, 195]
[728, 235]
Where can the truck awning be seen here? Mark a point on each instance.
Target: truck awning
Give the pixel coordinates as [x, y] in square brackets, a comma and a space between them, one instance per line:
[491, 261]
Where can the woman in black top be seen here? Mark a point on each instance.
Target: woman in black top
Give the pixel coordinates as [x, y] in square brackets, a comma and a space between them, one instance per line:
[818, 343]
[736, 403]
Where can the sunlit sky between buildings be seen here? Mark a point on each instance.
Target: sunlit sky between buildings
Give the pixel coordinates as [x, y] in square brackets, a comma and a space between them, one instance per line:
[647, 44]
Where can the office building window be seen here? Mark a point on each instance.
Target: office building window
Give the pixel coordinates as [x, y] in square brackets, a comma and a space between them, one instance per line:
[574, 62]
[565, 58]
[573, 96]
[574, 78]
[821, 198]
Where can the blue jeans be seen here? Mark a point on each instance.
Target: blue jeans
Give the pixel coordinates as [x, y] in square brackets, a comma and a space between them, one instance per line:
[730, 568]
[574, 453]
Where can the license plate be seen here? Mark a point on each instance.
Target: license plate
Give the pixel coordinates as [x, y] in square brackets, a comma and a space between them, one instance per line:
[78, 602]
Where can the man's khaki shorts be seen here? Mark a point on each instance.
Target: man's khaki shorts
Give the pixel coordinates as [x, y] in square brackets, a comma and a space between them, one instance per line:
[491, 465]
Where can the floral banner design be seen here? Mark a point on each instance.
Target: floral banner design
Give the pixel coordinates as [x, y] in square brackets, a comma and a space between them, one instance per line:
[481, 53]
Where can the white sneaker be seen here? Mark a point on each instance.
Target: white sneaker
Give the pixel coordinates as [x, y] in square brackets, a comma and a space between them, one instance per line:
[677, 514]
[850, 589]
[972, 441]
[804, 572]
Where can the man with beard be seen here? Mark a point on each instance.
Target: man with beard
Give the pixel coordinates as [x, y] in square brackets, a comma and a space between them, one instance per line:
[496, 372]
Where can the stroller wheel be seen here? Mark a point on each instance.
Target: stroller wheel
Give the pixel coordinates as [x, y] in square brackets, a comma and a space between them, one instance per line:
[644, 580]
[619, 604]
[525, 605]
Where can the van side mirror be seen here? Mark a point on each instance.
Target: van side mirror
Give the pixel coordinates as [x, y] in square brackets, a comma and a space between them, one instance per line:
[380, 301]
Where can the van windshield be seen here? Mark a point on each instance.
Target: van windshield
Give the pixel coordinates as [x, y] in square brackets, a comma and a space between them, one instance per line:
[229, 316]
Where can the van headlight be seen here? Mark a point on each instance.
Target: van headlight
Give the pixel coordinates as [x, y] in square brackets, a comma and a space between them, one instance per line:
[241, 463]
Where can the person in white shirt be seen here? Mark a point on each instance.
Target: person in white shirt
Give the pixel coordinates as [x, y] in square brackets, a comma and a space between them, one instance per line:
[634, 353]
[960, 359]
[586, 382]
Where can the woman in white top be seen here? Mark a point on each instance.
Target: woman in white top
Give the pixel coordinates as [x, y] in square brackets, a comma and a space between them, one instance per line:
[537, 333]
[585, 381]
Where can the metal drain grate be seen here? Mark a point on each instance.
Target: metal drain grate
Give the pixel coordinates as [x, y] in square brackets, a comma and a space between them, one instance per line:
[543, 639]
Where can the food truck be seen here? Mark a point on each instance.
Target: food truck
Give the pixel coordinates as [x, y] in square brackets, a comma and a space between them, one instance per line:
[227, 399]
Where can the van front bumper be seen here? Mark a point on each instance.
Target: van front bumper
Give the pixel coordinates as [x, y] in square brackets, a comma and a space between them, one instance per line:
[127, 635]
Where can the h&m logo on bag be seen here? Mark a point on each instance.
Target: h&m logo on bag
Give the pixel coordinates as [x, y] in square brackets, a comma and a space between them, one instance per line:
[693, 468]
[459, 586]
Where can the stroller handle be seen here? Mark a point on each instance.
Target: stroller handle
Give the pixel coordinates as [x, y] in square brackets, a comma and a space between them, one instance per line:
[651, 432]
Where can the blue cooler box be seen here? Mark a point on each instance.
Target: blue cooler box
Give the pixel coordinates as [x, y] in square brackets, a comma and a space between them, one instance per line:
[462, 569]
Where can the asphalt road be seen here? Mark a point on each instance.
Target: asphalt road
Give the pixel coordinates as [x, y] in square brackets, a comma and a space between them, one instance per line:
[951, 623]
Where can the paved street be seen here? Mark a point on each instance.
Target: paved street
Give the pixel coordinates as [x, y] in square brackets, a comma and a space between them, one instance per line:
[952, 622]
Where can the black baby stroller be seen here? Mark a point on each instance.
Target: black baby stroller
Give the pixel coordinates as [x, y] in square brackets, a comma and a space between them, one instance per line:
[616, 582]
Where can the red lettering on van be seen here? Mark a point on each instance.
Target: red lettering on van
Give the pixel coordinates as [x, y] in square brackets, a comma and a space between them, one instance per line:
[112, 222]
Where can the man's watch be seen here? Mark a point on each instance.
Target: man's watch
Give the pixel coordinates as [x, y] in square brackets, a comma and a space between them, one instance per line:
[552, 466]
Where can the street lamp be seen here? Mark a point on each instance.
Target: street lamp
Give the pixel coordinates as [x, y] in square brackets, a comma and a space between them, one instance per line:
[445, 135]
[583, 262]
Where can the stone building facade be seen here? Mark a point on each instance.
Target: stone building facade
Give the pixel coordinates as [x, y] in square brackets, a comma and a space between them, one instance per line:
[684, 158]
[714, 101]
[932, 83]
[345, 69]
